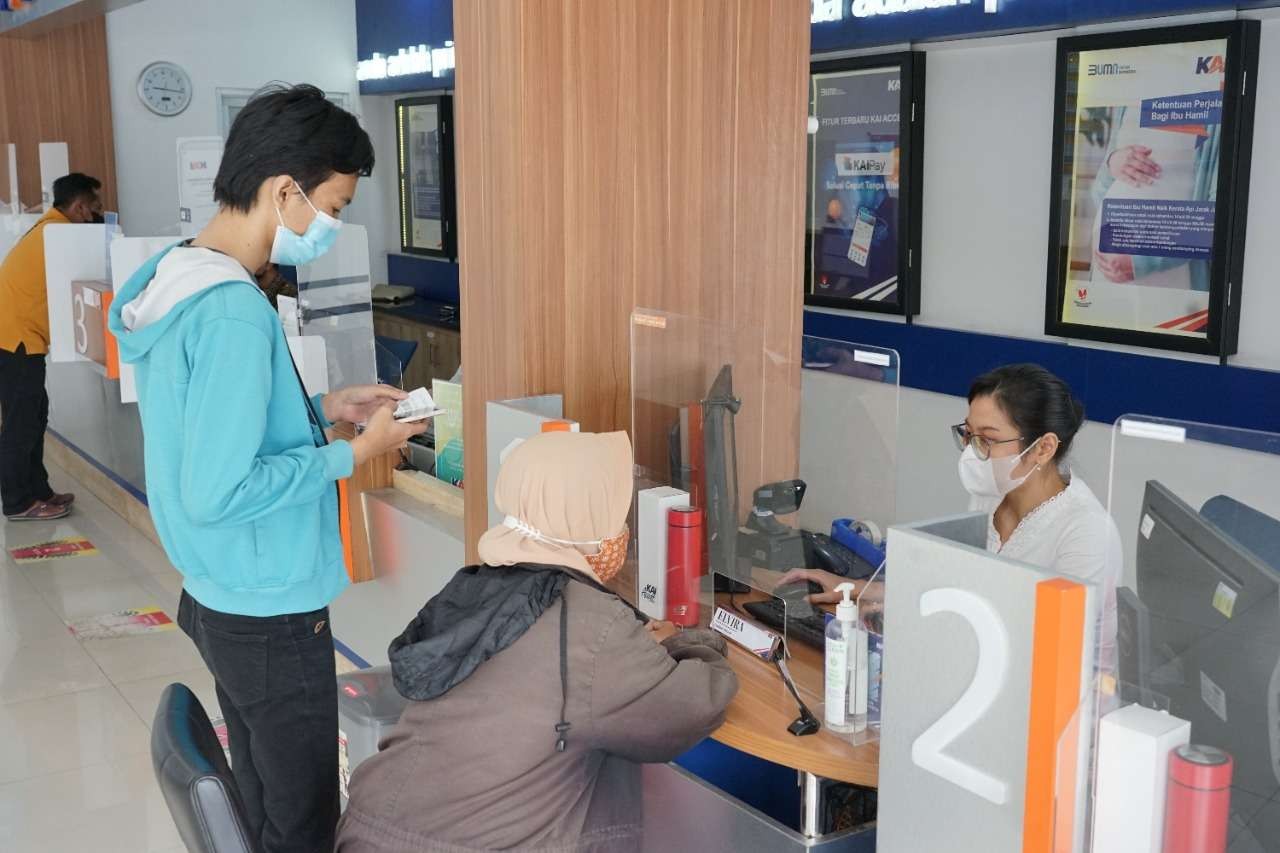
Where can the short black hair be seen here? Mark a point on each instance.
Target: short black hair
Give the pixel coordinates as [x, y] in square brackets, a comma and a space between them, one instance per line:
[1035, 400]
[69, 188]
[294, 131]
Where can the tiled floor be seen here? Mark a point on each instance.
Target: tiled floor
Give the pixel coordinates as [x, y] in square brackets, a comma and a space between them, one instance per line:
[75, 716]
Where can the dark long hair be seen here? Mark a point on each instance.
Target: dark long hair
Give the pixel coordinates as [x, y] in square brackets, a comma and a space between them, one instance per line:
[1035, 400]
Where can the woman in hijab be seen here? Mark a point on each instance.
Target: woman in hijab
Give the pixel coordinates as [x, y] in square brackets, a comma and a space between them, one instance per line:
[538, 691]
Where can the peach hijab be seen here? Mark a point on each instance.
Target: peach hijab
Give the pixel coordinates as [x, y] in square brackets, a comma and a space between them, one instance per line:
[567, 486]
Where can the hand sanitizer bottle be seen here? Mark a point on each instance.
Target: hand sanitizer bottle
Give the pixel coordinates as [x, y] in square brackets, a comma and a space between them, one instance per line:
[841, 663]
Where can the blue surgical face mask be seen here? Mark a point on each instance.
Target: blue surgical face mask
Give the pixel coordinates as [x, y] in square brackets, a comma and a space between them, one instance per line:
[293, 249]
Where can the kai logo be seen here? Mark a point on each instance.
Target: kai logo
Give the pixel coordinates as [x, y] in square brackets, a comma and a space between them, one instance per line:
[649, 593]
[1211, 65]
[1082, 297]
[895, 85]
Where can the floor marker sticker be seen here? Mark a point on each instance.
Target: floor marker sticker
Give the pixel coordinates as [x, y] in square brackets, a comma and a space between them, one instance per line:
[122, 623]
[76, 546]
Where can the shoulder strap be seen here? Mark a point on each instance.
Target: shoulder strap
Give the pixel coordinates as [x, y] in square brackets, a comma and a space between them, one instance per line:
[562, 727]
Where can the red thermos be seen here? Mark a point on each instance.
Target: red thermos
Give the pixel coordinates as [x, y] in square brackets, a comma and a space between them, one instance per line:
[684, 564]
[1198, 806]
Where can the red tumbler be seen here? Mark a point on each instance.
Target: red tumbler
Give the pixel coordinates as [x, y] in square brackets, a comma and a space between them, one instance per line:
[684, 564]
[1198, 805]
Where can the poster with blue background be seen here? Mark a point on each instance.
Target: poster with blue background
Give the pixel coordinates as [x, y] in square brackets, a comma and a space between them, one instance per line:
[854, 188]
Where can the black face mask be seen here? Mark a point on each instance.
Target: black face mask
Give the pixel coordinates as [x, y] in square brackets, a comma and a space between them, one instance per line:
[97, 219]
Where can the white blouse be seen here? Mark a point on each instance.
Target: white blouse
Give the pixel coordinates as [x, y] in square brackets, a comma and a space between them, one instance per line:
[1070, 534]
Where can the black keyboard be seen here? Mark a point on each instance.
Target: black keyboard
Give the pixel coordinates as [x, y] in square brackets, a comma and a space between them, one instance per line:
[810, 629]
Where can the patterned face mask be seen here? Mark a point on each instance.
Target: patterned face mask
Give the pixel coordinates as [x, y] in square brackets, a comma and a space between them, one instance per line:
[605, 563]
[608, 561]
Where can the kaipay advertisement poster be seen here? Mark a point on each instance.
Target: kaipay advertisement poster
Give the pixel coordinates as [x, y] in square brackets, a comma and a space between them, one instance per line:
[1141, 194]
[854, 187]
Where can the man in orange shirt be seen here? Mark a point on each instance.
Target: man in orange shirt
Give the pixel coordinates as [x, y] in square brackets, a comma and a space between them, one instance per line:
[24, 341]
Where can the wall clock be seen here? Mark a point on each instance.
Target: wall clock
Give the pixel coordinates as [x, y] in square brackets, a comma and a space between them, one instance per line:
[164, 88]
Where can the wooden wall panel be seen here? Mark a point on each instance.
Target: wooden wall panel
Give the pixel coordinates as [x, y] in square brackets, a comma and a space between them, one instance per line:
[56, 90]
[772, 76]
[615, 154]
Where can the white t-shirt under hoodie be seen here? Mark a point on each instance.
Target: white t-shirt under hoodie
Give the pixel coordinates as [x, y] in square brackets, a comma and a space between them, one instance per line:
[1072, 535]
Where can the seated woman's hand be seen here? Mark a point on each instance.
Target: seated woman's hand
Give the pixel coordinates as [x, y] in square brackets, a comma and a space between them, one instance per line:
[660, 630]
[829, 582]
[824, 579]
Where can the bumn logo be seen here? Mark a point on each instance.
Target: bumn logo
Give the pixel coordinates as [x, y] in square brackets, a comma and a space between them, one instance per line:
[1109, 69]
[1211, 65]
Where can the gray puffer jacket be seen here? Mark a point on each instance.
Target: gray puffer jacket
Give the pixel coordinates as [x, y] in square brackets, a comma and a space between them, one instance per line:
[538, 696]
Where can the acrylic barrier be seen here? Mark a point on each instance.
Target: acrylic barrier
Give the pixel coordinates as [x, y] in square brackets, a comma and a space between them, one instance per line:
[90, 403]
[389, 367]
[335, 303]
[510, 422]
[1198, 508]
[713, 430]
[12, 227]
[73, 253]
[84, 378]
[712, 417]
[849, 399]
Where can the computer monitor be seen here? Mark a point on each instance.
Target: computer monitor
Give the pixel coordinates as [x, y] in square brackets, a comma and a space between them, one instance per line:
[1212, 644]
[720, 460]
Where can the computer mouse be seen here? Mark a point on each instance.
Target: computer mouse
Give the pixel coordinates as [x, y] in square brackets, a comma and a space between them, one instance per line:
[823, 552]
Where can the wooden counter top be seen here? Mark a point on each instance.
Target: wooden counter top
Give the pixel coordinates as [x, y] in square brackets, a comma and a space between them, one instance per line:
[759, 715]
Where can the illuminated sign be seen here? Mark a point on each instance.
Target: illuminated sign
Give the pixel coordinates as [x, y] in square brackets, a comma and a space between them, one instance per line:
[419, 59]
[826, 11]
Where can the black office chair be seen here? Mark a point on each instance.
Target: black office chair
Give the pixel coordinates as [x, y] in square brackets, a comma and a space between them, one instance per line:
[194, 777]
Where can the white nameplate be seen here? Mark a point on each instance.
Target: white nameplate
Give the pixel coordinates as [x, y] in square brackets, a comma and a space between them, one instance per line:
[753, 638]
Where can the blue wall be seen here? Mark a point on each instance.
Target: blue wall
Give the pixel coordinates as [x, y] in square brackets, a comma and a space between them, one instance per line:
[1109, 383]
[386, 26]
[431, 279]
[969, 18]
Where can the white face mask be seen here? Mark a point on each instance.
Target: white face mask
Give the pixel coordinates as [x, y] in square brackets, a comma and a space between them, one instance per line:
[992, 478]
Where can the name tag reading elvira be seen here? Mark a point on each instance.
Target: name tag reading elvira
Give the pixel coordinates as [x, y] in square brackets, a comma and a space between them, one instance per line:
[760, 642]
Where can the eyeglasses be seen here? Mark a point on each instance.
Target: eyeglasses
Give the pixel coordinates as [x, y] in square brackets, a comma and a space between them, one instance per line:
[981, 444]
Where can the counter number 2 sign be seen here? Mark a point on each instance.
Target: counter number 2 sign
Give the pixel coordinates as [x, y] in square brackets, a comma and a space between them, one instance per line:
[928, 750]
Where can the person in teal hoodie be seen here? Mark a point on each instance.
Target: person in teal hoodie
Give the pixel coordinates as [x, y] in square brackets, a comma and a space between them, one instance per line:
[241, 478]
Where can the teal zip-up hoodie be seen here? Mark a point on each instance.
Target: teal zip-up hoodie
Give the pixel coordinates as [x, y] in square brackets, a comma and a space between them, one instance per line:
[239, 480]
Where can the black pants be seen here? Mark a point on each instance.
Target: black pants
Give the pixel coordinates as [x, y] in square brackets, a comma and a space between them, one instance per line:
[24, 415]
[277, 685]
